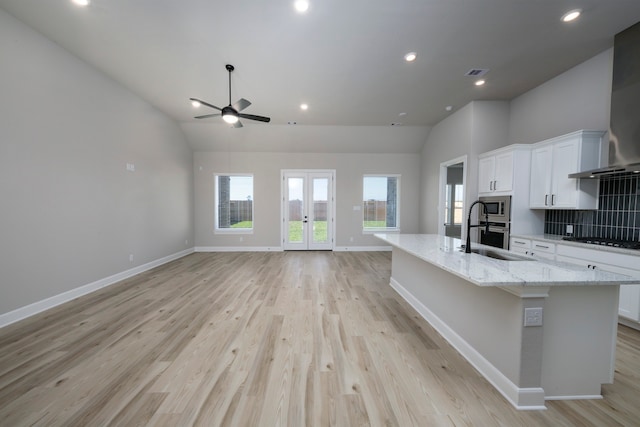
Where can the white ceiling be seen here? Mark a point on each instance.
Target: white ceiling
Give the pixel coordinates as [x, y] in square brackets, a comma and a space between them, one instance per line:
[343, 57]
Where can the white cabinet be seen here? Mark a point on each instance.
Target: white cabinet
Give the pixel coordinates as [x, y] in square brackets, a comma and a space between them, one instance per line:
[495, 173]
[534, 248]
[551, 163]
[629, 306]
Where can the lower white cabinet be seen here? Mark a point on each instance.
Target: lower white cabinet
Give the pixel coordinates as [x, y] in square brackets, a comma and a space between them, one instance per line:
[629, 306]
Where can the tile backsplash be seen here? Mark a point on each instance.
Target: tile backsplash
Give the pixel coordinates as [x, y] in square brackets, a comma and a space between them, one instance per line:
[618, 215]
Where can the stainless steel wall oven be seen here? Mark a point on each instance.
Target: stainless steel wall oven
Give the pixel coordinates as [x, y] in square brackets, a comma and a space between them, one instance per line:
[498, 209]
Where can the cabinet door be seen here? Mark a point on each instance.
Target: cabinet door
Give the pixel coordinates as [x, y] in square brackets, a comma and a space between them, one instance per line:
[564, 190]
[630, 302]
[629, 305]
[539, 193]
[486, 167]
[503, 178]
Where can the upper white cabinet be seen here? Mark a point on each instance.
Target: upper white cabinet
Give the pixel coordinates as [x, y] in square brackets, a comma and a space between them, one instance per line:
[495, 173]
[551, 163]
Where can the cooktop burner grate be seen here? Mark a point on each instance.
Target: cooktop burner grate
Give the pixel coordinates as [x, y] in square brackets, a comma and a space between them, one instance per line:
[625, 244]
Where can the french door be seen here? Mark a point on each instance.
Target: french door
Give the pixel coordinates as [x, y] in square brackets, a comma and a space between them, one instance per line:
[307, 209]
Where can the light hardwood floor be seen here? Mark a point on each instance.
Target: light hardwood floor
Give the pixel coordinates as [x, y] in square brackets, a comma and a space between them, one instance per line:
[265, 339]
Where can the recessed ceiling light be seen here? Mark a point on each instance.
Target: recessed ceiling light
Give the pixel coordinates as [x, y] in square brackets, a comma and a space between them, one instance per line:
[402, 114]
[448, 108]
[572, 15]
[195, 103]
[304, 107]
[410, 57]
[301, 5]
[81, 2]
[479, 82]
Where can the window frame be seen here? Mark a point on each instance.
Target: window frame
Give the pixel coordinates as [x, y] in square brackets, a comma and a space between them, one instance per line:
[216, 203]
[372, 230]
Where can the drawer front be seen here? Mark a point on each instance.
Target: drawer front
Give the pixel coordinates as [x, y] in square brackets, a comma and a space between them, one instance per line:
[517, 242]
[600, 256]
[538, 246]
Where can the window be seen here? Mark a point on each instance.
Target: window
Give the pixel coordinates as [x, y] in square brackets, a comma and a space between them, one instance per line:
[453, 204]
[381, 195]
[234, 203]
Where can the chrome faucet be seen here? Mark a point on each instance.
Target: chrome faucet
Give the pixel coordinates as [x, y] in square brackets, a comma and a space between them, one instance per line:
[467, 248]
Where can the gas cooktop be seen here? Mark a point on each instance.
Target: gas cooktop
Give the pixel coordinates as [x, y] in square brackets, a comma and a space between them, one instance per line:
[625, 244]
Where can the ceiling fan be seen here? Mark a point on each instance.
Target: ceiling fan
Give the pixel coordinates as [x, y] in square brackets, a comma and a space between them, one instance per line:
[231, 113]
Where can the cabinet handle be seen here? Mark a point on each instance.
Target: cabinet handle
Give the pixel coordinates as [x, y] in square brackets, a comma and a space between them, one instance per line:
[553, 199]
[518, 242]
[495, 185]
[591, 266]
[546, 198]
[542, 246]
[491, 185]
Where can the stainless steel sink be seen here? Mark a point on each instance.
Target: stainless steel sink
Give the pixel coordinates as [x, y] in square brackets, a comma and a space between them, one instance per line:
[499, 255]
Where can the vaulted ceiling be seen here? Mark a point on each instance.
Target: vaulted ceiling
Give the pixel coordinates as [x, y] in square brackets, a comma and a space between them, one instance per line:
[344, 58]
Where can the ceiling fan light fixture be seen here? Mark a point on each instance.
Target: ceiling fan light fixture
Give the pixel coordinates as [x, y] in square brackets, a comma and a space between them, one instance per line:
[229, 117]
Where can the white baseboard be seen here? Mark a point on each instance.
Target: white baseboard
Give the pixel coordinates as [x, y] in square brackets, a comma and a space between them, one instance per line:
[362, 249]
[238, 249]
[280, 249]
[521, 398]
[578, 397]
[40, 306]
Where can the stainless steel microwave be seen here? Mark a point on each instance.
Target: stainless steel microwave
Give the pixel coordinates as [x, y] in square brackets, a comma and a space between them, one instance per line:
[497, 207]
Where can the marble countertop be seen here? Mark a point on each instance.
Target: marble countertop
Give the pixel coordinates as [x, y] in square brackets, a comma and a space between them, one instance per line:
[444, 252]
[552, 238]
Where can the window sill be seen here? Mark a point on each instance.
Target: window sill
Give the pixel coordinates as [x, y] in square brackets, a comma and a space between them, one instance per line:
[380, 230]
[233, 231]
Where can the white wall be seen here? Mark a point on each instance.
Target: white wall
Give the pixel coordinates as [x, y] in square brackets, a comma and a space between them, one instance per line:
[266, 168]
[579, 98]
[478, 127]
[71, 214]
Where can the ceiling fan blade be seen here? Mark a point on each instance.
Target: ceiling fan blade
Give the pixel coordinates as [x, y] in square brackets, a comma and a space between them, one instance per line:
[205, 103]
[207, 116]
[252, 117]
[237, 124]
[241, 104]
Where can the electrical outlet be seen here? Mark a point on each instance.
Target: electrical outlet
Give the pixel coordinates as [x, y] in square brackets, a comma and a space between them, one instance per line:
[130, 257]
[533, 316]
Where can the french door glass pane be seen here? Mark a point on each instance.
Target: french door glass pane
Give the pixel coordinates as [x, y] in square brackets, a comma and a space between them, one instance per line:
[296, 209]
[320, 205]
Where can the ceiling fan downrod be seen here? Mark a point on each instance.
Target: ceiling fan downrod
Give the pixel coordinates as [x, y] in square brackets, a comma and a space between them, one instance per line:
[229, 68]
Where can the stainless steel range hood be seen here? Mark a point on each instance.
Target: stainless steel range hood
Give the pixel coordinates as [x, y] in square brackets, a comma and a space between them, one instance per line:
[624, 127]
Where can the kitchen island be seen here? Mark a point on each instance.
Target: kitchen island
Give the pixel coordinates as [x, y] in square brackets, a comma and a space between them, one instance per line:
[478, 303]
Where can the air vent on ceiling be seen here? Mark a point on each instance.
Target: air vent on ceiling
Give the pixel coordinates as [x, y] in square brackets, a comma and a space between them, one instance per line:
[477, 72]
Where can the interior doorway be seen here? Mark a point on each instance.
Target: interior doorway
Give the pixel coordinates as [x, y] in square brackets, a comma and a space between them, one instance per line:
[308, 210]
[452, 195]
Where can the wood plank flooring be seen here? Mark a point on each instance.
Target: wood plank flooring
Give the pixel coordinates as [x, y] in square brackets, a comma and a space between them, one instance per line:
[265, 339]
